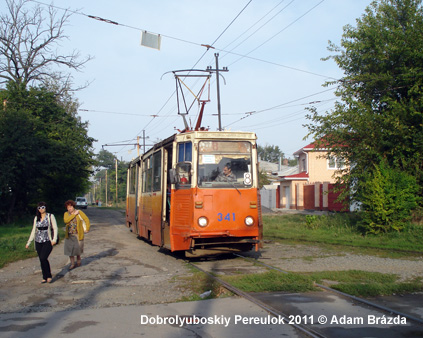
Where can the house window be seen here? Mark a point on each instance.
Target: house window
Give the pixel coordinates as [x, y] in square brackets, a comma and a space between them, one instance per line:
[336, 163]
[303, 165]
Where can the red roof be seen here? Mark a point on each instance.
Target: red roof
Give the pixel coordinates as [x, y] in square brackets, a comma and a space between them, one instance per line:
[323, 146]
[301, 176]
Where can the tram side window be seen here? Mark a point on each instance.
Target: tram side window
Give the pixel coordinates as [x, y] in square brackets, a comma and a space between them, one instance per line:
[147, 175]
[183, 173]
[132, 179]
[183, 167]
[185, 152]
[157, 171]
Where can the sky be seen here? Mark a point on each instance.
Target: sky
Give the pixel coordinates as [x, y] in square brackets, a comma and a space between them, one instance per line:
[272, 49]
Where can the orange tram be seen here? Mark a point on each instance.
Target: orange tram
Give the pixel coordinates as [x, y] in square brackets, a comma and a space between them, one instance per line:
[179, 198]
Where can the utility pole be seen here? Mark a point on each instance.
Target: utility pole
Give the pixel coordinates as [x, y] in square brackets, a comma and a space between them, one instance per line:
[219, 116]
[106, 188]
[143, 142]
[217, 70]
[116, 182]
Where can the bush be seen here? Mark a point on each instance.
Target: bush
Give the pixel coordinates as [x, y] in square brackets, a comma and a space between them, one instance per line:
[388, 197]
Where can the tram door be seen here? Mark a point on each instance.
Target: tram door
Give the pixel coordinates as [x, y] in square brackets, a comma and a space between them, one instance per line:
[132, 198]
[151, 199]
[167, 165]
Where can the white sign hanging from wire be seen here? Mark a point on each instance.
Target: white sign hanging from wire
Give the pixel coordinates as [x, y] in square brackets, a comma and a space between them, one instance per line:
[151, 40]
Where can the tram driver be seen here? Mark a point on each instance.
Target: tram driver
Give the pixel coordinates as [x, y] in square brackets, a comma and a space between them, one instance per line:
[226, 175]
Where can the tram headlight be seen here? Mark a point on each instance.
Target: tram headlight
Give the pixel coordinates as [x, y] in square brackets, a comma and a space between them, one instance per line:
[249, 221]
[203, 222]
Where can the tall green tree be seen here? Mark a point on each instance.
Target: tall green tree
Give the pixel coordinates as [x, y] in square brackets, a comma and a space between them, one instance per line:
[106, 159]
[46, 152]
[379, 117]
[269, 153]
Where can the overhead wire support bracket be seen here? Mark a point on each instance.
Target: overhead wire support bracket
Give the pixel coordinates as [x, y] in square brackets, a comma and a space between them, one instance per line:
[104, 20]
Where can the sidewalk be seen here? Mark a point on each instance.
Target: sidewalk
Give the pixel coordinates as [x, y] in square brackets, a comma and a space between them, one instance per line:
[229, 317]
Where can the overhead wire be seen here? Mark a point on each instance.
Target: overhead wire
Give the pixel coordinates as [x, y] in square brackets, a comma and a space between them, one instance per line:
[258, 29]
[208, 47]
[205, 52]
[286, 27]
[278, 106]
[203, 45]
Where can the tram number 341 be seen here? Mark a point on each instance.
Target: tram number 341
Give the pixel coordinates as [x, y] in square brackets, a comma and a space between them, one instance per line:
[228, 217]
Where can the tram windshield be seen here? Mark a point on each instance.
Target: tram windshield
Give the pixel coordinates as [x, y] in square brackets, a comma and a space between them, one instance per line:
[224, 164]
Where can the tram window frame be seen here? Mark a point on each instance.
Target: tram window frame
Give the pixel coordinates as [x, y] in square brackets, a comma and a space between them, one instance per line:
[184, 165]
[150, 174]
[214, 154]
[157, 171]
[185, 152]
[147, 175]
[183, 174]
[132, 179]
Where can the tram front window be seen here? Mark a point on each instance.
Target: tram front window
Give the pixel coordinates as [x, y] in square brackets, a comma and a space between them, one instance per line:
[224, 164]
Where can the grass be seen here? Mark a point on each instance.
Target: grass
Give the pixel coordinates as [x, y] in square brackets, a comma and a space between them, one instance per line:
[271, 281]
[366, 284]
[357, 283]
[14, 236]
[343, 230]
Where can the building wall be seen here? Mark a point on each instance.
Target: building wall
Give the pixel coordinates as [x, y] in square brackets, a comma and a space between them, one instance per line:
[318, 168]
[291, 195]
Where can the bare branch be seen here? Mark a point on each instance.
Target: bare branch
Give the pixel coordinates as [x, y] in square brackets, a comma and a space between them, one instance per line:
[29, 43]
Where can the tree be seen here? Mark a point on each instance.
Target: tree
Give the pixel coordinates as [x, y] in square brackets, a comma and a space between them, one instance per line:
[28, 45]
[46, 152]
[269, 153]
[106, 159]
[379, 118]
[387, 196]
[263, 179]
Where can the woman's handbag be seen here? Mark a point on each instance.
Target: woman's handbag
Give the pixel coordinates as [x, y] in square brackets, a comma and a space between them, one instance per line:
[52, 230]
[84, 225]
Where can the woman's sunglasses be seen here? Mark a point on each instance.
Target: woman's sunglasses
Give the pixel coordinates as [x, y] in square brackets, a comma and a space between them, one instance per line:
[41, 208]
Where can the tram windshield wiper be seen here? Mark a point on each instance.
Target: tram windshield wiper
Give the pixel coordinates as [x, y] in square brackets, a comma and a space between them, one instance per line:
[232, 183]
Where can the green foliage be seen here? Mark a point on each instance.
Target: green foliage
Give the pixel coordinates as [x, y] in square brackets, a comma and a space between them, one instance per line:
[367, 284]
[380, 112]
[263, 179]
[271, 281]
[311, 221]
[388, 197]
[106, 159]
[341, 229]
[46, 151]
[14, 236]
[269, 153]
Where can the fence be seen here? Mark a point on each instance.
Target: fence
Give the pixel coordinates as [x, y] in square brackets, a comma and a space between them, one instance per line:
[322, 196]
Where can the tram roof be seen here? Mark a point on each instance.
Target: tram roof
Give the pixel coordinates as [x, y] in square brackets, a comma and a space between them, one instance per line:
[202, 134]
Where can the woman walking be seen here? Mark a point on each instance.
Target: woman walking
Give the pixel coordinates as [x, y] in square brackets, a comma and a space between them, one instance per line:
[44, 225]
[77, 223]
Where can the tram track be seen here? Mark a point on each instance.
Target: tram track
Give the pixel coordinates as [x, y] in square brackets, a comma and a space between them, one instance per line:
[307, 331]
[303, 328]
[337, 292]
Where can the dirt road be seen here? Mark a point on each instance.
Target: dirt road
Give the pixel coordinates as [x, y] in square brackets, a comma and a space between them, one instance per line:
[117, 269]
